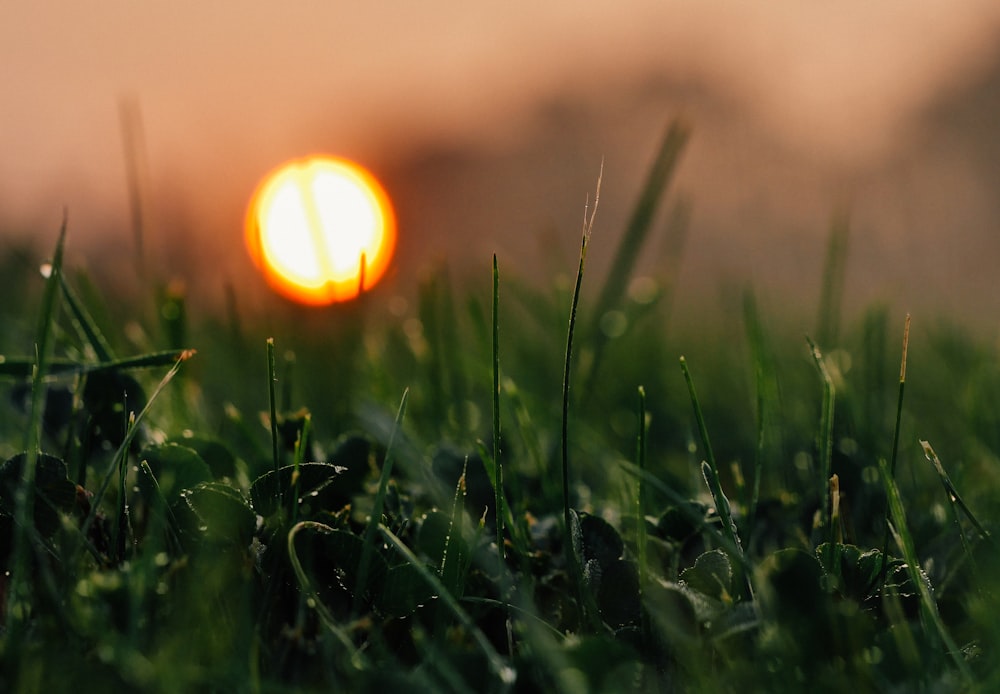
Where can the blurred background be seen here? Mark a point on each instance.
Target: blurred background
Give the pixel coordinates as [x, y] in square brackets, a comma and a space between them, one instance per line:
[488, 127]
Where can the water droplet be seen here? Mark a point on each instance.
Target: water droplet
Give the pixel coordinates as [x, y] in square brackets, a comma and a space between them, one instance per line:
[46, 270]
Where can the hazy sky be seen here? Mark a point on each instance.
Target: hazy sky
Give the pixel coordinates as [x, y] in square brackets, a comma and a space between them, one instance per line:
[227, 90]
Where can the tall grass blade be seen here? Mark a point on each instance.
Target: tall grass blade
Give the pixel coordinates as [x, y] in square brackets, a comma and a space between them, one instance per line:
[300, 451]
[758, 355]
[825, 439]
[504, 672]
[85, 323]
[834, 271]
[640, 497]
[895, 443]
[357, 657]
[573, 560]
[953, 496]
[137, 175]
[371, 530]
[497, 465]
[904, 539]
[24, 533]
[57, 366]
[710, 471]
[122, 452]
[273, 410]
[636, 233]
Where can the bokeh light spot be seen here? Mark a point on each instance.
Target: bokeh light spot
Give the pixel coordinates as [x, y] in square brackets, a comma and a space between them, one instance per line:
[321, 230]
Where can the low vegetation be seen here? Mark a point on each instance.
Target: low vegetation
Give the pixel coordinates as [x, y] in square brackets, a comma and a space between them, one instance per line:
[508, 490]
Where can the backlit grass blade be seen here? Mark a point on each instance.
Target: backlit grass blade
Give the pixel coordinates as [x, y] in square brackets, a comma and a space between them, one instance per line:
[573, 560]
[371, 530]
[497, 465]
[901, 533]
[832, 289]
[521, 545]
[895, 441]
[300, 451]
[20, 587]
[273, 409]
[710, 471]
[953, 496]
[825, 439]
[85, 323]
[60, 367]
[637, 231]
[504, 672]
[758, 355]
[357, 658]
[640, 497]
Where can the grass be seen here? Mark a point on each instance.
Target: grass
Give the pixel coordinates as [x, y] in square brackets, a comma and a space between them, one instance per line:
[781, 526]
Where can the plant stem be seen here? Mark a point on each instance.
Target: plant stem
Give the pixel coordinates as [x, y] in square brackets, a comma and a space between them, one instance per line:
[895, 448]
[498, 468]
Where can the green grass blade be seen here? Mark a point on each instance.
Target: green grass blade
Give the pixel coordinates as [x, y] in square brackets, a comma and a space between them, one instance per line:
[300, 452]
[758, 355]
[573, 560]
[20, 586]
[636, 234]
[60, 367]
[273, 409]
[85, 323]
[640, 497]
[371, 531]
[904, 539]
[357, 658]
[497, 465]
[832, 291]
[953, 496]
[122, 452]
[710, 471]
[504, 672]
[825, 439]
[895, 439]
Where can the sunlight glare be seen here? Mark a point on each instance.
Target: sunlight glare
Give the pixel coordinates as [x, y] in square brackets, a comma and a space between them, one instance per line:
[313, 223]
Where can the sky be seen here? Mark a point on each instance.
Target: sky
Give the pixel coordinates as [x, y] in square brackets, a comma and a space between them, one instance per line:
[488, 124]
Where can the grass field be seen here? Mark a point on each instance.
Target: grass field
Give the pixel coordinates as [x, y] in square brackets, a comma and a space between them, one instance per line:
[718, 507]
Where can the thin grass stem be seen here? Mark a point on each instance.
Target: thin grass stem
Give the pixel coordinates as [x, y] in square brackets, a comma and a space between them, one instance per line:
[904, 539]
[24, 530]
[710, 471]
[273, 410]
[371, 530]
[825, 438]
[953, 496]
[895, 446]
[504, 672]
[640, 497]
[497, 466]
[588, 227]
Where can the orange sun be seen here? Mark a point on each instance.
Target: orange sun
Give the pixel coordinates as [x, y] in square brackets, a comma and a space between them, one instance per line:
[321, 230]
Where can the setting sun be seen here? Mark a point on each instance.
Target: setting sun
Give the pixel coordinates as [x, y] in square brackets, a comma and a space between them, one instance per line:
[321, 229]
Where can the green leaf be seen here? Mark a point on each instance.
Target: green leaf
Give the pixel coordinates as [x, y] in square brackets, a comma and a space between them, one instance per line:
[221, 512]
[601, 542]
[330, 560]
[313, 480]
[403, 591]
[175, 468]
[220, 460]
[711, 575]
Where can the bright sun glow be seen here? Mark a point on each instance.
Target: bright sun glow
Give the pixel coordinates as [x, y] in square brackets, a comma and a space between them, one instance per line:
[321, 229]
